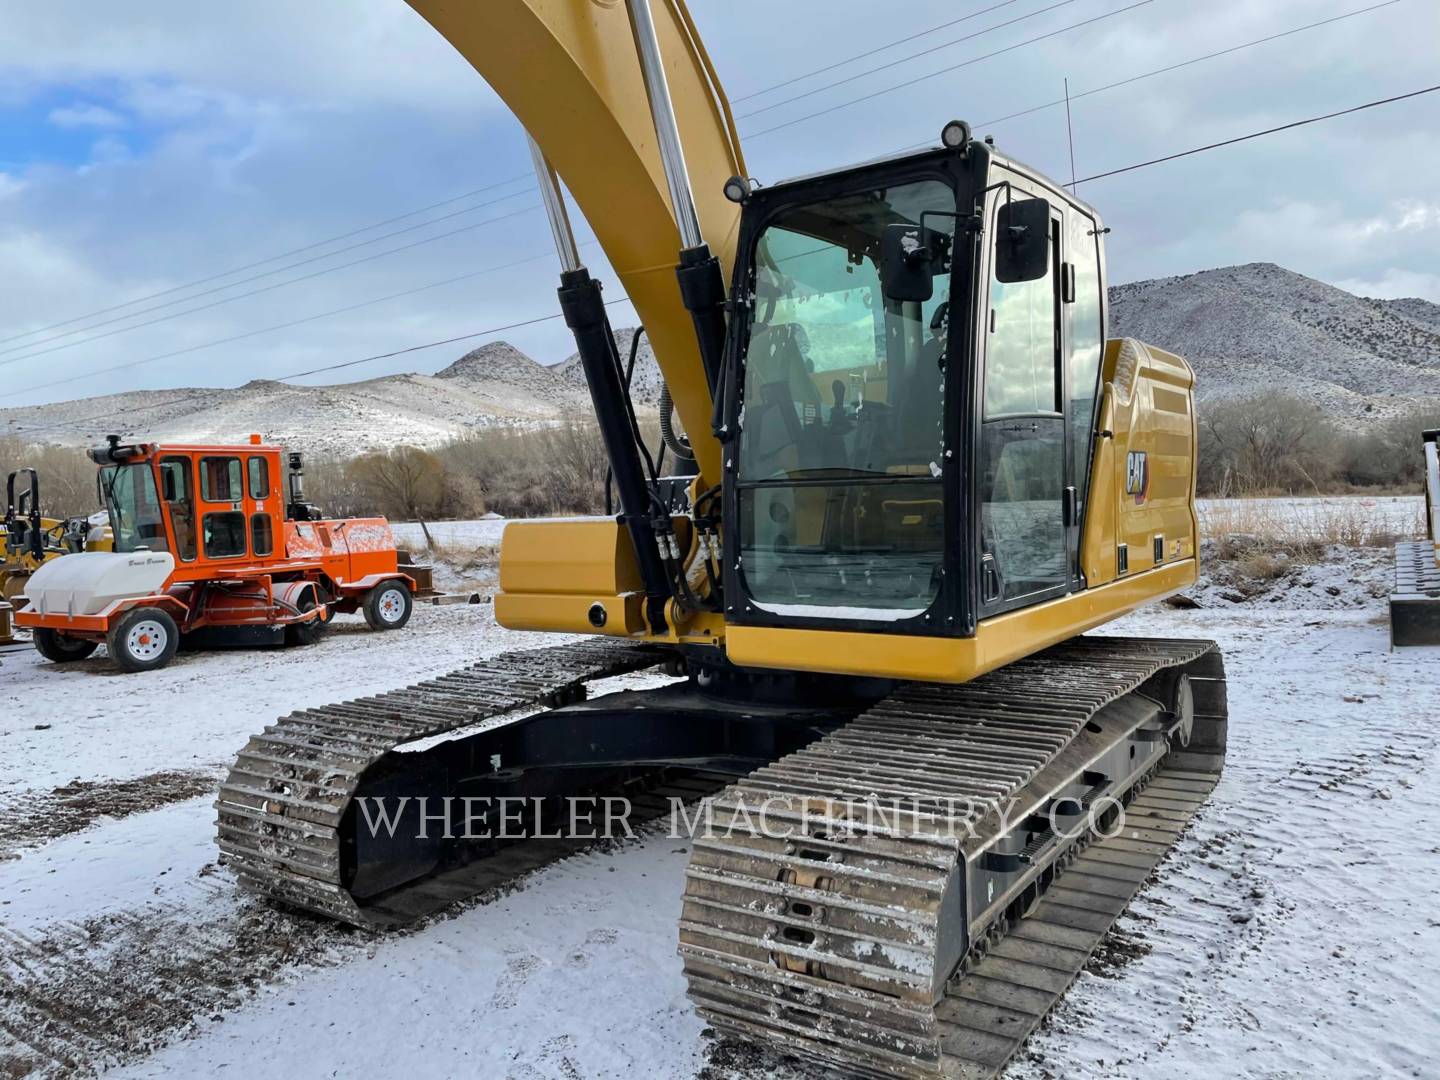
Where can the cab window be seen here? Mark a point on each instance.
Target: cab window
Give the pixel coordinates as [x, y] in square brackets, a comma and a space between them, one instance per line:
[259, 478]
[262, 535]
[225, 534]
[1024, 552]
[220, 480]
[177, 489]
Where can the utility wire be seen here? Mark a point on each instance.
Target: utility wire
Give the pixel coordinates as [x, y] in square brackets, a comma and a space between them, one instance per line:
[1097, 176]
[1087, 93]
[279, 326]
[268, 273]
[946, 70]
[1169, 68]
[904, 59]
[488, 331]
[273, 286]
[1258, 134]
[468, 194]
[270, 259]
[871, 52]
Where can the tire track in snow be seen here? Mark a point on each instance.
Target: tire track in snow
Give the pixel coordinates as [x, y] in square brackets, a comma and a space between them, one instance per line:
[35, 817]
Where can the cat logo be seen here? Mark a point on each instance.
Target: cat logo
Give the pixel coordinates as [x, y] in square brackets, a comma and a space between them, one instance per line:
[1137, 475]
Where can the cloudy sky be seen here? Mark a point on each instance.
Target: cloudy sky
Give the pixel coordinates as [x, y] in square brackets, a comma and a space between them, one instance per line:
[157, 156]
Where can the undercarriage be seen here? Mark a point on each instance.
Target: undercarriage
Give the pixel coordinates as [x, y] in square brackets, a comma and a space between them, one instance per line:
[899, 886]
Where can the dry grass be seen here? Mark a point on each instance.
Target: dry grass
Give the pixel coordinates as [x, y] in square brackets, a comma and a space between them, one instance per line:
[1243, 526]
[465, 567]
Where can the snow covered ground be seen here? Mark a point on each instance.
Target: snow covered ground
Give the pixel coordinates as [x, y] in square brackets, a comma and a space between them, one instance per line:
[1291, 934]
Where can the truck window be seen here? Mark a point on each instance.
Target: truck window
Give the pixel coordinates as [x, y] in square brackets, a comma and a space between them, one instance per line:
[262, 534]
[225, 532]
[177, 489]
[220, 480]
[259, 478]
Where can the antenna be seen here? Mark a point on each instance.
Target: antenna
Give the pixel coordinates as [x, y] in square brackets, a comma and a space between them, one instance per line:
[1070, 133]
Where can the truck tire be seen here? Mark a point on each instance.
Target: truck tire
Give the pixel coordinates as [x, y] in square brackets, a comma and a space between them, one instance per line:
[62, 648]
[143, 639]
[307, 633]
[388, 605]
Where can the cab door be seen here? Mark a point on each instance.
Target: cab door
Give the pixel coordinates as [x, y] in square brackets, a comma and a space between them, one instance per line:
[223, 519]
[262, 505]
[1026, 503]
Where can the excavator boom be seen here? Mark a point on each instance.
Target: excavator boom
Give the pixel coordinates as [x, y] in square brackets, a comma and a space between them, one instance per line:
[568, 70]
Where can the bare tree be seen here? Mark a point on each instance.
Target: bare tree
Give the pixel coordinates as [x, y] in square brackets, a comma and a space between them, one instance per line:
[1273, 442]
[405, 482]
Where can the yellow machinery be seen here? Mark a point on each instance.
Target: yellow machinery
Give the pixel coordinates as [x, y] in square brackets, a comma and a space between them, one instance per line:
[31, 539]
[915, 472]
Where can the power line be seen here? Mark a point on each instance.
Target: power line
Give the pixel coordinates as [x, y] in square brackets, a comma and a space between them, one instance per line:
[1258, 134]
[871, 52]
[279, 326]
[270, 259]
[1171, 67]
[1097, 176]
[947, 70]
[134, 314]
[275, 285]
[329, 367]
[258, 277]
[904, 59]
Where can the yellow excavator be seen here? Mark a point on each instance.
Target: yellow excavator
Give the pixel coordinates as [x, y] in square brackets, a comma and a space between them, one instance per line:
[914, 474]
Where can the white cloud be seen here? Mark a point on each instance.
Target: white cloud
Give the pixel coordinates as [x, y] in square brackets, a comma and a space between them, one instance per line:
[1394, 283]
[85, 115]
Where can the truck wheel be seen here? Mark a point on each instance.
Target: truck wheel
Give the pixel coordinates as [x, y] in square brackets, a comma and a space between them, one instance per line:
[144, 639]
[62, 648]
[307, 633]
[388, 606]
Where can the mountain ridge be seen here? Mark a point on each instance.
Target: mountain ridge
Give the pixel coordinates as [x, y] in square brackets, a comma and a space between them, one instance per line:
[1245, 329]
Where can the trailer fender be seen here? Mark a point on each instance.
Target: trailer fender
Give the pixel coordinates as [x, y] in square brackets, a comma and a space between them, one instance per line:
[360, 586]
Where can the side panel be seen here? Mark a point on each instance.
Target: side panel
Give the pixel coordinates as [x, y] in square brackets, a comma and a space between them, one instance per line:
[568, 70]
[1144, 472]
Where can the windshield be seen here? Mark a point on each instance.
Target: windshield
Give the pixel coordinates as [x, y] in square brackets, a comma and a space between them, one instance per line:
[135, 515]
[840, 444]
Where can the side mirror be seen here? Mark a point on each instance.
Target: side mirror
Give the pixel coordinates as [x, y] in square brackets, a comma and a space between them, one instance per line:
[907, 263]
[1022, 248]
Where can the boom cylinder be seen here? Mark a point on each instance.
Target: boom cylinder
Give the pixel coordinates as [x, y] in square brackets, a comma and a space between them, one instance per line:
[584, 310]
[702, 284]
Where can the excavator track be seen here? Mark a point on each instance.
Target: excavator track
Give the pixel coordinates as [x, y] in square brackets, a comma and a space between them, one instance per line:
[933, 941]
[282, 809]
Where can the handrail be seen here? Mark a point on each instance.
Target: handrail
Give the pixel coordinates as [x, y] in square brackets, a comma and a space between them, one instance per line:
[1432, 488]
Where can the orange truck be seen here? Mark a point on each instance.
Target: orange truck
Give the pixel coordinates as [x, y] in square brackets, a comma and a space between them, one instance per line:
[211, 543]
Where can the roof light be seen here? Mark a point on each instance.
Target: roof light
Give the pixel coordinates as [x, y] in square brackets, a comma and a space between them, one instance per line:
[955, 134]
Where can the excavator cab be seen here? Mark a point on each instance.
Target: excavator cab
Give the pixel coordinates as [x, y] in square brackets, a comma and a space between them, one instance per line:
[911, 389]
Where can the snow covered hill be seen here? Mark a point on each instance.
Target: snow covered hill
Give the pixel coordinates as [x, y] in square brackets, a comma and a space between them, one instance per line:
[1262, 327]
[1244, 328]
